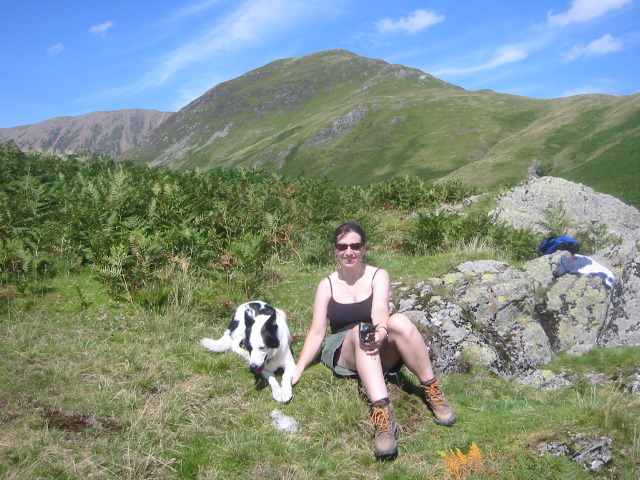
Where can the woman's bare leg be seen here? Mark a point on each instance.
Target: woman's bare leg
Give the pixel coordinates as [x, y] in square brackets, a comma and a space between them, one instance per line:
[406, 343]
[369, 367]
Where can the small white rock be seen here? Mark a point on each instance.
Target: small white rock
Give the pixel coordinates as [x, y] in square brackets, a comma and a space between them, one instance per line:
[284, 422]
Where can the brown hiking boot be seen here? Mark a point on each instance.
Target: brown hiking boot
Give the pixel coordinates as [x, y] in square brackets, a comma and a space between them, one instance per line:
[438, 404]
[385, 442]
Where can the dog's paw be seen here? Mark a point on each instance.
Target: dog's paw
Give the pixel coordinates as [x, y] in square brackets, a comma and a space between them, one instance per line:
[283, 398]
[286, 395]
[282, 395]
[287, 398]
[277, 394]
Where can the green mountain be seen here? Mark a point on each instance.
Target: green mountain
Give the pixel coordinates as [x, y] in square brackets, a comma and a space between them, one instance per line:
[359, 120]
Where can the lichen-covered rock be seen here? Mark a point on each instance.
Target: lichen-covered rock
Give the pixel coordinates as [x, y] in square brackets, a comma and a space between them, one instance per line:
[622, 325]
[590, 453]
[486, 318]
[594, 453]
[524, 206]
[512, 320]
[573, 312]
[546, 380]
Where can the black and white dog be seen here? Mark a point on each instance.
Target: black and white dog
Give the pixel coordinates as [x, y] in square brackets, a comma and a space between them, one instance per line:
[260, 334]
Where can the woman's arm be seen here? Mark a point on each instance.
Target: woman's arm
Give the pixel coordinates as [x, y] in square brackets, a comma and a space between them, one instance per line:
[317, 331]
[380, 307]
[381, 295]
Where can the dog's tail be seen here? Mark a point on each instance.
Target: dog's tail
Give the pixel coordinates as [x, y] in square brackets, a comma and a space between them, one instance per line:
[223, 344]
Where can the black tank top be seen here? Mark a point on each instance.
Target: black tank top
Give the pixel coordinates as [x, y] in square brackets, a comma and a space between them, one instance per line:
[344, 316]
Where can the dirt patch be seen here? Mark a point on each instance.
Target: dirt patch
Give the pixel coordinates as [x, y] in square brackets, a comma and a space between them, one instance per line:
[6, 415]
[74, 422]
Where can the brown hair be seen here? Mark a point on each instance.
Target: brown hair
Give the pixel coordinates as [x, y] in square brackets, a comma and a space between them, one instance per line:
[349, 227]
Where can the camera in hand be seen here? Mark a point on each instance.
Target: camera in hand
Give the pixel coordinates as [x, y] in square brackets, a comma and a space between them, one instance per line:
[367, 332]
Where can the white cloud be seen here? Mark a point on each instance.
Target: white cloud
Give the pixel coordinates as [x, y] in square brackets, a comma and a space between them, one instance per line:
[194, 8]
[503, 56]
[582, 90]
[416, 21]
[102, 29]
[194, 90]
[584, 11]
[55, 49]
[601, 46]
[247, 25]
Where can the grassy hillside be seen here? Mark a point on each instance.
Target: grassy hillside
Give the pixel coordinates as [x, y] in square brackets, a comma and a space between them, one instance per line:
[616, 158]
[110, 274]
[591, 139]
[92, 388]
[359, 120]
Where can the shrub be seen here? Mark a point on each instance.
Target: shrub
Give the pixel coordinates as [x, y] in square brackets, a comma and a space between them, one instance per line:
[132, 222]
[431, 233]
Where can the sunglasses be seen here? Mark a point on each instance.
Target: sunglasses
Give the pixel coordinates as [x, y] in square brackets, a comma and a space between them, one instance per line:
[341, 247]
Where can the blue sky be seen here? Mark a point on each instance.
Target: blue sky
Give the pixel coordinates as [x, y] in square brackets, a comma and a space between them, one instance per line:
[70, 57]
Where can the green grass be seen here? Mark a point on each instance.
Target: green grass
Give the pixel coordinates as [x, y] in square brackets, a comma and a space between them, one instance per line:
[612, 362]
[91, 388]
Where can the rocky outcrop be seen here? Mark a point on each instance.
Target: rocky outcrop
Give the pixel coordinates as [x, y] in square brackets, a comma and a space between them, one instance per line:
[513, 319]
[531, 204]
[592, 454]
[343, 125]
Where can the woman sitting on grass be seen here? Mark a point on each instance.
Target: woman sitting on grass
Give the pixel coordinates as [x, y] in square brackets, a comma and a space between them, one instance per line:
[358, 293]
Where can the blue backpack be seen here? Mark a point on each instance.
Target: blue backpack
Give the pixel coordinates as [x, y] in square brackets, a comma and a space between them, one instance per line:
[563, 242]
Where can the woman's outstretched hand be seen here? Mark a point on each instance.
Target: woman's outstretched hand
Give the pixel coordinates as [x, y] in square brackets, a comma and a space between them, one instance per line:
[295, 377]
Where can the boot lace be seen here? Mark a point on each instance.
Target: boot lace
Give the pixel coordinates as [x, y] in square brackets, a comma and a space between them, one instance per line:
[434, 392]
[381, 419]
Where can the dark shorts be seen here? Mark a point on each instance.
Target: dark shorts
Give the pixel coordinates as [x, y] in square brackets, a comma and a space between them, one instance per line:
[333, 344]
[328, 356]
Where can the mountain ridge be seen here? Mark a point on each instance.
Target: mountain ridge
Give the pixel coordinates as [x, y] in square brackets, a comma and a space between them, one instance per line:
[360, 120]
[107, 133]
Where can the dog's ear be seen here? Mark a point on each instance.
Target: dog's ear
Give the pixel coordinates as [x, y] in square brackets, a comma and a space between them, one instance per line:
[270, 331]
[249, 318]
[246, 341]
[272, 322]
[233, 324]
[257, 308]
[267, 309]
